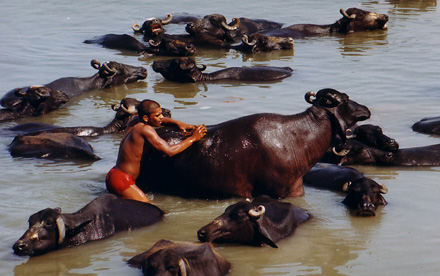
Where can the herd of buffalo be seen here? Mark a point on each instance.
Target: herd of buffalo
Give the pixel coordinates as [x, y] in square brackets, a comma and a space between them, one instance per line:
[269, 159]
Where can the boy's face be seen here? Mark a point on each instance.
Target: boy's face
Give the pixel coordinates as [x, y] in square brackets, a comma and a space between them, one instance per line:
[155, 118]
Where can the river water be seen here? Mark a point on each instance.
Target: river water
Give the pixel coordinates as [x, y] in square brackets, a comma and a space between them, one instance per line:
[395, 73]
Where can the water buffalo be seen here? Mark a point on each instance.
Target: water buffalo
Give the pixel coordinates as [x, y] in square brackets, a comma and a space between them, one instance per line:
[260, 222]
[353, 20]
[262, 43]
[430, 125]
[49, 229]
[170, 258]
[125, 112]
[158, 46]
[356, 153]
[52, 146]
[35, 100]
[185, 69]
[216, 26]
[152, 26]
[363, 195]
[253, 155]
[110, 73]
[373, 136]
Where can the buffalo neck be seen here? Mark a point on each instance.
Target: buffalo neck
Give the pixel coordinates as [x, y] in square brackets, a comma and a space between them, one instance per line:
[73, 86]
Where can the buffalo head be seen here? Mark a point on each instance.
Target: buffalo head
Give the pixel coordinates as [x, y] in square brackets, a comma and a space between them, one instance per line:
[364, 196]
[355, 20]
[357, 153]
[47, 231]
[215, 25]
[40, 99]
[180, 69]
[262, 43]
[170, 47]
[127, 108]
[342, 111]
[263, 221]
[152, 27]
[373, 136]
[115, 73]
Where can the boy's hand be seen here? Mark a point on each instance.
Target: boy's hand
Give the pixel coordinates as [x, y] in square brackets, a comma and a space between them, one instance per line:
[199, 132]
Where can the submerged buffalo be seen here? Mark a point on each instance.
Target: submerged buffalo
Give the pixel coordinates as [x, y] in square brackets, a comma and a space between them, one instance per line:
[253, 155]
[185, 69]
[363, 195]
[353, 20]
[257, 42]
[52, 146]
[156, 46]
[109, 74]
[49, 229]
[429, 125]
[181, 259]
[34, 101]
[260, 222]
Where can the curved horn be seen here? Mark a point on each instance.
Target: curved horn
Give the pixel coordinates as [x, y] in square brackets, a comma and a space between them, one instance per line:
[95, 64]
[108, 69]
[201, 67]
[245, 40]
[345, 14]
[167, 19]
[346, 186]
[257, 213]
[182, 267]
[383, 189]
[131, 109]
[154, 43]
[61, 229]
[233, 27]
[136, 28]
[341, 153]
[115, 107]
[308, 97]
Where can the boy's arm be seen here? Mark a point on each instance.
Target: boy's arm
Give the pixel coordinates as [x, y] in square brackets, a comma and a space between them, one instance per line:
[181, 125]
[158, 143]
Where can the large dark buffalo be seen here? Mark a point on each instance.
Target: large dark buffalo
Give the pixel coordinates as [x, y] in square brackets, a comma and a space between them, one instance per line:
[353, 20]
[110, 73]
[257, 42]
[256, 154]
[166, 258]
[34, 101]
[363, 195]
[52, 146]
[185, 69]
[373, 136]
[106, 215]
[156, 46]
[260, 222]
[430, 125]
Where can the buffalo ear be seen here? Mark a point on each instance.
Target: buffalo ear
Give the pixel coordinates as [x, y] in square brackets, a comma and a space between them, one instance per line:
[262, 234]
[75, 230]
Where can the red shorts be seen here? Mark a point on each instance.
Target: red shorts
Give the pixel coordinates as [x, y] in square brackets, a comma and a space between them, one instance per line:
[118, 181]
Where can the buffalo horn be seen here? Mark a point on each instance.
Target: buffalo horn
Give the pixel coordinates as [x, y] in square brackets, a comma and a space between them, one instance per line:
[246, 41]
[61, 229]
[182, 266]
[345, 186]
[108, 69]
[383, 189]
[95, 64]
[167, 19]
[258, 212]
[308, 97]
[115, 107]
[342, 11]
[342, 153]
[130, 110]
[202, 67]
[154, 43]
[136, 28]
[233, 27]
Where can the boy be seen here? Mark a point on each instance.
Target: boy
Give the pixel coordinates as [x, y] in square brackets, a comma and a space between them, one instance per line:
[120, 180]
